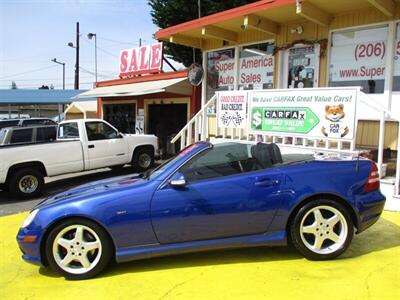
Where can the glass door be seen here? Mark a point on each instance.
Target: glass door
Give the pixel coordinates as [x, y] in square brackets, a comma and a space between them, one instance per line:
[301, 67]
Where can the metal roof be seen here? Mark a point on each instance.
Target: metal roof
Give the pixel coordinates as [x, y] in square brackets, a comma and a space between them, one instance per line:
[22, 96]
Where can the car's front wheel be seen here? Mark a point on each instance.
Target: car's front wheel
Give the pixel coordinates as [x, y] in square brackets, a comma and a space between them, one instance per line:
[78, 249]
[322, 229]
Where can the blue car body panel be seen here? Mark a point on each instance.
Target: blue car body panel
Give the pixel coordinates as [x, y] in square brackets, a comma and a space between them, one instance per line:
[149, 217]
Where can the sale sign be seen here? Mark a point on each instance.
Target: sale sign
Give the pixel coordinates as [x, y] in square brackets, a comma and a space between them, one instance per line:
[232, 109]
[310, 113]
[142, 60]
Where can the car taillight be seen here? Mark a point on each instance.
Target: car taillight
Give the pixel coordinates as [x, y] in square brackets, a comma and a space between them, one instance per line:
[373, 179]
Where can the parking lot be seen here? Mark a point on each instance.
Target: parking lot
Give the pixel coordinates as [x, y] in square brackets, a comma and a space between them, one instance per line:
[55, 185]
[370, 269]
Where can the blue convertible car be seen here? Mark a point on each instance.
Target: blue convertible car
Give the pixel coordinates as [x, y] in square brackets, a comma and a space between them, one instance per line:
[208, 197]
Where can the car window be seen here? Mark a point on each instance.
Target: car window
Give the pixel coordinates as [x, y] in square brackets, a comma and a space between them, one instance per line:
[4, 124]
[3, 133]
[21, 136]
[68, 130]
[37, 122]
[100, 131]
[221, 160]
[45, 134]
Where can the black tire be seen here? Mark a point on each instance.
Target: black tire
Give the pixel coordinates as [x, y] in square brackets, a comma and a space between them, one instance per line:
[26, 183]
[316, 240]
[99, 258]
[143, 159]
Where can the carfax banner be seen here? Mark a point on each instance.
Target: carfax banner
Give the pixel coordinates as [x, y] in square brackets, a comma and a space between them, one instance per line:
[232, 109]
[312, 113]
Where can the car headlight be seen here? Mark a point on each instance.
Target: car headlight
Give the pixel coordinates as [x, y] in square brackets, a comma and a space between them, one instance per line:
[30, 218]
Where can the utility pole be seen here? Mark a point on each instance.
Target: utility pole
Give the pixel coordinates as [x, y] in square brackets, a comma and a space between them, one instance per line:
[76, 85]
[199, 8]
[140, 42]
[63, 64]
[90, 36]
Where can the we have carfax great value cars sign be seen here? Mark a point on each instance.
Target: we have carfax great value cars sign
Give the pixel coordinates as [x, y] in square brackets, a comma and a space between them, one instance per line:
[311, 113]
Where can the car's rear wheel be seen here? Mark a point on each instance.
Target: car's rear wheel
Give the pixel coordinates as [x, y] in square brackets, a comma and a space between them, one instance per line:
[78, 249]
[26, 183]
[322, 229]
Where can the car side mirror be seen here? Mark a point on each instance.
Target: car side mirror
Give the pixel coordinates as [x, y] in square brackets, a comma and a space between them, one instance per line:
[178, 183]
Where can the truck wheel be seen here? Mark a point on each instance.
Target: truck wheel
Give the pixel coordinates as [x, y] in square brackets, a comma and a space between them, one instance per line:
[143, 159]
[322, 229]
[26, 183]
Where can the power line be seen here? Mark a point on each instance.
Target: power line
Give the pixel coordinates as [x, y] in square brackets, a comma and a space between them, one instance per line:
[101, 49]
[42, 79]
[28, 72]
[120, 42]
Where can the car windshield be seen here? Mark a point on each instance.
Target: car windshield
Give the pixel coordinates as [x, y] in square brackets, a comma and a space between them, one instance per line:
[155, 173]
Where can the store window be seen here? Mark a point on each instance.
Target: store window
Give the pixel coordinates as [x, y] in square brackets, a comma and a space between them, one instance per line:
[121, 116]
[396, 71]
[358, 58]
[256, 67]
[220, 71]
[302, 66]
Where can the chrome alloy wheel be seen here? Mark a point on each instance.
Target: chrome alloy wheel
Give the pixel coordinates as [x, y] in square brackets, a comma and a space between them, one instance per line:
[323, 229]
[77, 249]
[28, 184]
[144, 160]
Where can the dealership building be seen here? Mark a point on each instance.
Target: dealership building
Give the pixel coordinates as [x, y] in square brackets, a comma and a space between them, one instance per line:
[145, 99]
[289, 44]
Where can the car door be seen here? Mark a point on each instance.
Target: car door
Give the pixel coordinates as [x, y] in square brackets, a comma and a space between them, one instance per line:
[106, 147]
[224, 196]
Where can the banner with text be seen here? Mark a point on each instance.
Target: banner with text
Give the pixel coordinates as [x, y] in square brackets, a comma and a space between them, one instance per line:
[310, 113]
[255, 70]
[232, 109]
[361, 55]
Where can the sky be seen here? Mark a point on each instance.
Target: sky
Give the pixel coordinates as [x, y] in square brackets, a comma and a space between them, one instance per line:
[33, 32]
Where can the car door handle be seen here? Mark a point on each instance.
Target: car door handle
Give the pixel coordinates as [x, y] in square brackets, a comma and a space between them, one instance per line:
[266, 182]
[91, 146]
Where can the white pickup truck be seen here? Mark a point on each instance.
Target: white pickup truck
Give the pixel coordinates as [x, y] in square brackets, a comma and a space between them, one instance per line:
[81, 145]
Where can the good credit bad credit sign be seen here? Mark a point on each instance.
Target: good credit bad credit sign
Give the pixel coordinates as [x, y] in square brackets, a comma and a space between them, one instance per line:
[311, 113]
[231, 109]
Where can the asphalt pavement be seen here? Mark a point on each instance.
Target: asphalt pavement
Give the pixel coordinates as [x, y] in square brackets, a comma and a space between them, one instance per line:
[55, 185]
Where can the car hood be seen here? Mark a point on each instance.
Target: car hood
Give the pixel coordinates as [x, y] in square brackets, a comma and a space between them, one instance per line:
[94, 189]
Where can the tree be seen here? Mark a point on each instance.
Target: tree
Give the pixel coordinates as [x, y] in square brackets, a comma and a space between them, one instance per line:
[166, 13]
[13, 85]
